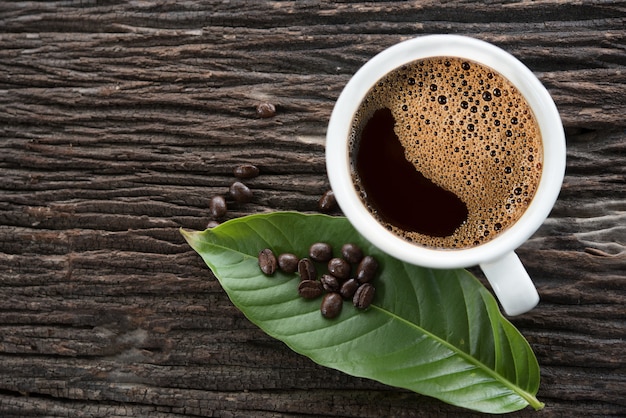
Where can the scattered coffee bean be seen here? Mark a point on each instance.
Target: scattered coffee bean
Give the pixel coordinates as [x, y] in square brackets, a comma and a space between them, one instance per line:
[352, 253]
[267, 261]
[339, 268]
[327, 202]
[321, 251]
[240, 192]
[363, 296]
[307, 269]
[217, 206]
[212, 224]
[310, 289]
[348, 288]
[329, 283]
[246, 171]
[265, 110]
[331, 305]
[367, 269]
[288, 262]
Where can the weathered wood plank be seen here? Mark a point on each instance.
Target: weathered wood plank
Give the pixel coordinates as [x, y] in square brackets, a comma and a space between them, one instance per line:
[119, 121]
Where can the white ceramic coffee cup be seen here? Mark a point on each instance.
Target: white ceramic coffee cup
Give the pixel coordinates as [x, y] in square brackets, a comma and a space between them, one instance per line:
[506, 274]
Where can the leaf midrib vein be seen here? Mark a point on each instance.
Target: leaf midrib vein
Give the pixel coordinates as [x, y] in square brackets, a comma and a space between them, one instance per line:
[465, 356]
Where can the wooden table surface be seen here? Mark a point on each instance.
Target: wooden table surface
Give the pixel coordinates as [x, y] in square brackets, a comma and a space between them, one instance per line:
[119, 121]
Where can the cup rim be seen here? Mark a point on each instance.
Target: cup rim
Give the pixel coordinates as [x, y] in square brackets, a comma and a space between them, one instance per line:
[546, 113]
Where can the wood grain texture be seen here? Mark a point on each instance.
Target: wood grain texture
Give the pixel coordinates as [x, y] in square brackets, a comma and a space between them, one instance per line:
[120, 120]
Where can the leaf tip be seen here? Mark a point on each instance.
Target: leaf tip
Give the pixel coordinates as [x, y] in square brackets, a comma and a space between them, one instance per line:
[186, 234]
[190, 236]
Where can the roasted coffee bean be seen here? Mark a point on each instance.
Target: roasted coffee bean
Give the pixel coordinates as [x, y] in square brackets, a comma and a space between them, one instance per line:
[246, 171]
[329, 283]
[331, 305]
[267, 261]
[339, 268]
[310, 289]
[367, 269]
[307, 269]
[363, 296]
[212, 224]
[352, 253]
[217, 206]
[348, 288]
[265, 110]
[321, 251]
[240, 192]
[288, 262]
[327, 202]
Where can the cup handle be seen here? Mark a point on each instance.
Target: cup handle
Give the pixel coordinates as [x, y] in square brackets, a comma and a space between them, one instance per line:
[511, 284]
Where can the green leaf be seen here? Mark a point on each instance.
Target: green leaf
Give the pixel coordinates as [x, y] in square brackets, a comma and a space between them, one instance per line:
[436, 332]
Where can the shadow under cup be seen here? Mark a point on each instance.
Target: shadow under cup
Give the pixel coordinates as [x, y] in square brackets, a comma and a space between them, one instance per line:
[505, 273]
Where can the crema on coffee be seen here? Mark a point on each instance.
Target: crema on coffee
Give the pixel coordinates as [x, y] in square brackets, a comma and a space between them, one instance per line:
[445, 152]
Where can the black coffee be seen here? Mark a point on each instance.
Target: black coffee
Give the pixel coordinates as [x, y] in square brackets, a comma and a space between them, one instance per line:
[397, 190]
[446, 152]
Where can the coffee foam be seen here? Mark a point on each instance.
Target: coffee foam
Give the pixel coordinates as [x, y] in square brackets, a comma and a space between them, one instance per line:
[470, 131]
